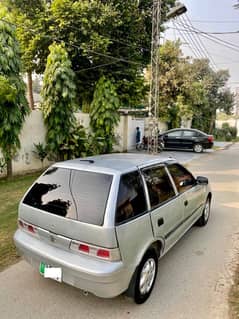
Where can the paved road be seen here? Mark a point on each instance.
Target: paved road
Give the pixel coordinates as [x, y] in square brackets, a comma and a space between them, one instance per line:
[193, 278]
[188, 156]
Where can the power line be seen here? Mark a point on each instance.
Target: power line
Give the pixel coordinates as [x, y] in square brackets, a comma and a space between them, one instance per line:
[192, 40]
[196, 30]
[215, 21]
[224, 32]
[126, 43]
[212, 38]
[201, 44]
[185, 38]
[97, 66]
[120, 59]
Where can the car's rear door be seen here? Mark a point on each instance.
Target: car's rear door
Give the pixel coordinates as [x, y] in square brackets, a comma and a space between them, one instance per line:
[132, 219]
[188, 139]
[167, 211]
[173, 139]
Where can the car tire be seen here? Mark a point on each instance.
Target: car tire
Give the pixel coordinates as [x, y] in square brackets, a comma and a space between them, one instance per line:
[198, 148]
[203, 220]
[145, 277]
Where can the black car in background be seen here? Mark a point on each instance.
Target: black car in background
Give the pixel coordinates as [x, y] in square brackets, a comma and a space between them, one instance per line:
[186, 139]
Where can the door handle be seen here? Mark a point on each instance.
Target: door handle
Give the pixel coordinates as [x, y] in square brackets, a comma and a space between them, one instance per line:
[186, 203]
[160, 222]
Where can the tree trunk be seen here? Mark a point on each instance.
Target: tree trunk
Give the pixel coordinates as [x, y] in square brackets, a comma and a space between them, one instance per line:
[30, 91]
[9, 168]
[212, 124]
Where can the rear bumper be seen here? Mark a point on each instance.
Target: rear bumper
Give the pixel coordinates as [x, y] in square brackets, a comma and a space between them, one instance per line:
[208, 145]
[102, 278]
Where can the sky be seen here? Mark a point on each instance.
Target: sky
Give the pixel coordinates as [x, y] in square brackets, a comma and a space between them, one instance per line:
[211, 16]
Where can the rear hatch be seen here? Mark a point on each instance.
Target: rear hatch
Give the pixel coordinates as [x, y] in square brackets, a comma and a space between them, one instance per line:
[66, 208]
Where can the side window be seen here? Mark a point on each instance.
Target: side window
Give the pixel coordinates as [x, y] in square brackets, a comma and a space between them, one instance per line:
[131, 200]
[159, 185]
[175, 134]
[189, 133]
[183, 179]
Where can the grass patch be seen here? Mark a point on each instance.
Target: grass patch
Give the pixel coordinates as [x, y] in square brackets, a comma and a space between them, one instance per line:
[234, 296]
[11, 192]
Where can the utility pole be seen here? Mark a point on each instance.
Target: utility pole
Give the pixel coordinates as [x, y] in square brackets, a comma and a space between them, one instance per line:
[237, 108]
[155, 69]
[154, 83]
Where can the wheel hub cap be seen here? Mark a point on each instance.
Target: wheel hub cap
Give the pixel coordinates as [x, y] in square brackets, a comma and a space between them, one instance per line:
[206, 211]
[147, 276]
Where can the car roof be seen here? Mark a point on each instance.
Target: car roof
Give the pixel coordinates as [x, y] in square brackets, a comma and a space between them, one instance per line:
[114, 163]
[184, 129]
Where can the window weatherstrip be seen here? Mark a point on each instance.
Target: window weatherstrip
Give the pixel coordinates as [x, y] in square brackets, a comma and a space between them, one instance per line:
[172, 181]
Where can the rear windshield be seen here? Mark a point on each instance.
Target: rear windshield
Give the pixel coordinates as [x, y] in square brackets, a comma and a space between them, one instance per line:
[72, 194]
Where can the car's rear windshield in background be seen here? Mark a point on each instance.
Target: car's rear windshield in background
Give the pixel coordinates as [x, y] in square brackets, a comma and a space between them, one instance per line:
[74, 194]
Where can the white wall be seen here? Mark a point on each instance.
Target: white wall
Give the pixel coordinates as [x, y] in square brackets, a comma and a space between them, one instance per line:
[34, 132]
[83, 119]
[134, 122]
[232, 123]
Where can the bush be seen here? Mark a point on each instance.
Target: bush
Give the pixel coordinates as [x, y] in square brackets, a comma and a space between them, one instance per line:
[233, 131]
[226, 133]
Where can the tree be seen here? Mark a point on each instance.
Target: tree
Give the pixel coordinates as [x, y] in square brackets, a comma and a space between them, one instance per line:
[104, 112]
[216, 96]
[102, 37]
[32, 27]
[58, 94]
[190, 89]
[13, 104]
[178, 90]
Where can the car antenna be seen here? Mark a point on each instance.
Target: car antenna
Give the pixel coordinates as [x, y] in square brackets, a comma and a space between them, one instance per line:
[87, 160]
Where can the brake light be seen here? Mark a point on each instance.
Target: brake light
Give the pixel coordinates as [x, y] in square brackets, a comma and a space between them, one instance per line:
[84, 248]
[31, 229]
[27, 227]
[95, 251]
[210, 138]
[103, 253]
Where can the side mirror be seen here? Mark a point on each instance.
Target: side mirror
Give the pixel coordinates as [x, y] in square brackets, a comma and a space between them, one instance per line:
[202, 180]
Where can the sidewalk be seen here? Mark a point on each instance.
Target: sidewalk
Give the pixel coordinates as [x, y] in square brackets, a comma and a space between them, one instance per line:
[222, 145]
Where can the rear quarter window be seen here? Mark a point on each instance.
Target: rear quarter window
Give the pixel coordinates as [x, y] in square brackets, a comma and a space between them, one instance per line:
[74, 194]
[131, 200]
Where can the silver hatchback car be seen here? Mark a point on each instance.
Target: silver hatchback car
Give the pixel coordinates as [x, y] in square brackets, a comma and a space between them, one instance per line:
[101, 223]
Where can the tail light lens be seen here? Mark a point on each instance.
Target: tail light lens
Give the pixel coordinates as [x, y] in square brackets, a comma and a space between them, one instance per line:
[103, 253]
[210, 138]
[84, 248]
[95, 251]
[27, 227]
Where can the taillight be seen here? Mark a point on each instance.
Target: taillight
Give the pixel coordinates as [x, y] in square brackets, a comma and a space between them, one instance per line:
[103, 253]
[84, 248]
[31, 229]
[27, 227]
[95, 251]
[210, 138]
